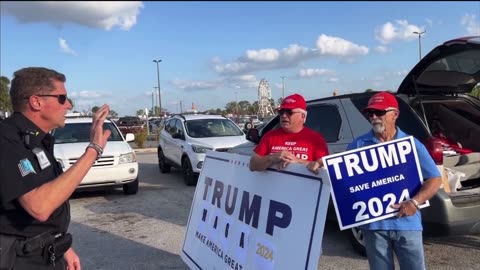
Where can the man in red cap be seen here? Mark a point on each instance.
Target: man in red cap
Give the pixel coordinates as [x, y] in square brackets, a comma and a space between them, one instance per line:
[293, 142]
[402, 234]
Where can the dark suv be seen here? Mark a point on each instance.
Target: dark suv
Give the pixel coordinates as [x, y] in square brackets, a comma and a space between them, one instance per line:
[435, 108]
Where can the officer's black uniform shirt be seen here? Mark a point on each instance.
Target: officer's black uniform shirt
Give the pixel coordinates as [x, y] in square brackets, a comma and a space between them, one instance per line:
[20, 172]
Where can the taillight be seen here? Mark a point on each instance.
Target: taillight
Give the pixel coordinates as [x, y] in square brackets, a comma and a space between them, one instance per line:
[435, 149]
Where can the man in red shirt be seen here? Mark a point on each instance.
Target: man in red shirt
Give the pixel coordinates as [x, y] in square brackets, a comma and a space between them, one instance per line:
[293, 142]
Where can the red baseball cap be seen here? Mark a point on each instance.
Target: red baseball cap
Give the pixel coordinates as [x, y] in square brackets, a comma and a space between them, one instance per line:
[294, 101]
[382, 101]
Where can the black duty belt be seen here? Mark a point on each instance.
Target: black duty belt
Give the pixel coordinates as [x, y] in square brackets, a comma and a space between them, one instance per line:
[49, 245]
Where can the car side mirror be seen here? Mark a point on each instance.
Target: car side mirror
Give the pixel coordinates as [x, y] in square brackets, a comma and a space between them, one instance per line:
[129, 137]
[253, 136]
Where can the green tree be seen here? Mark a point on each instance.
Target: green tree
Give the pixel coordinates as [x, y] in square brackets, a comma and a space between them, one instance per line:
[95, 109]
[369, 90]
[231, 107]
[253, 109]
[5, 104]
[243, 107]
[140, 112]
[476, 91]
[272, 102]
[113, 114]
[279, 102]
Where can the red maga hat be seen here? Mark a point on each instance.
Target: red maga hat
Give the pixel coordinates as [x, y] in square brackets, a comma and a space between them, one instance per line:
[382, 101]
[294, 101]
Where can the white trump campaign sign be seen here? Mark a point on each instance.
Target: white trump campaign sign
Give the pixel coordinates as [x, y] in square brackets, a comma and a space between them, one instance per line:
[240, 219]
[367, 181]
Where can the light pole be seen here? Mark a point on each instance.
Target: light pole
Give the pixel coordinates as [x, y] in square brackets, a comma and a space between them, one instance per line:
[236, 103]
[283, 87]
[158, 85]
[153, 108]
[155, 90]
[420, 43]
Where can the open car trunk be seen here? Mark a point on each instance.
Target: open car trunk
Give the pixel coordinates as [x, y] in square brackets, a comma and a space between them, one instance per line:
[456, 121]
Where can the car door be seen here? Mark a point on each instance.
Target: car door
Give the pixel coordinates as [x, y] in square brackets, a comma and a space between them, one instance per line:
[167, 140]
[178, 144]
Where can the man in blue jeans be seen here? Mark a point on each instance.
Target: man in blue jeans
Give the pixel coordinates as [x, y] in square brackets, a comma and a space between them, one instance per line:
[402, 234]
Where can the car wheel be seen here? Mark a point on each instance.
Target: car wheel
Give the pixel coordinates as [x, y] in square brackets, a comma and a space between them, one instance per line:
[162, 164]
[131, 188]
[357, 238]
[248, 126]
[189, 176]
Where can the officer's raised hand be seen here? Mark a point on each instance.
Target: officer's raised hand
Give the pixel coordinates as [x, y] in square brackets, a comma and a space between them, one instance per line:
[99, 136]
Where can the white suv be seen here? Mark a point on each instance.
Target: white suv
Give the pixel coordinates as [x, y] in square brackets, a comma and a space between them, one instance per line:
[185, 139]
[118, 165]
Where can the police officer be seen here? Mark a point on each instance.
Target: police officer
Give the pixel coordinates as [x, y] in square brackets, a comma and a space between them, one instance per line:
[34, 208]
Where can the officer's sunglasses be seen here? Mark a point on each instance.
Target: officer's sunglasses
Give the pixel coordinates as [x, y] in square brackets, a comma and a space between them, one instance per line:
[378, 113]
[285, 111]
[61, 98]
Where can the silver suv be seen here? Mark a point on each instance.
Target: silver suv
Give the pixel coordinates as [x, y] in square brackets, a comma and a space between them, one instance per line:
[185, 139]
[435, 108]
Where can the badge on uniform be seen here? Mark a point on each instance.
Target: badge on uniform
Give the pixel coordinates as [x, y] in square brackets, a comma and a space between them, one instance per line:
[41, 157]
[26, 167]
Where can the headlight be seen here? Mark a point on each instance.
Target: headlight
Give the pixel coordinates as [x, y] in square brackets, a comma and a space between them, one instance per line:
[200, 149]
[127, 158]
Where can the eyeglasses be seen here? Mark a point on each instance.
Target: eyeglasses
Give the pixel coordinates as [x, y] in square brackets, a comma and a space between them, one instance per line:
[61, 98]
[378, 113]
[285, 111]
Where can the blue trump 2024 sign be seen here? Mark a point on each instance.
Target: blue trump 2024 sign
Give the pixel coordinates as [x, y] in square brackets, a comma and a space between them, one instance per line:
[367, 181]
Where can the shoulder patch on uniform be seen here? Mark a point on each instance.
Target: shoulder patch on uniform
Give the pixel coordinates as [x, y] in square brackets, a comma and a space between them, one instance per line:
[26, 167]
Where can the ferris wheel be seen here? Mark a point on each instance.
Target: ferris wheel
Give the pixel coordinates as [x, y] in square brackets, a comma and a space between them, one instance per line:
[264, 95]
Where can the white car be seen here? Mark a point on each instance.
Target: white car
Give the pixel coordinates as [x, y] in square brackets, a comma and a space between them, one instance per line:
[185, 139]
[118, 164]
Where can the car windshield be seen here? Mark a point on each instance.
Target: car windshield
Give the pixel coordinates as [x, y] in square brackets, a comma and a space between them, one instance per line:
[203, 128]
[80, 132]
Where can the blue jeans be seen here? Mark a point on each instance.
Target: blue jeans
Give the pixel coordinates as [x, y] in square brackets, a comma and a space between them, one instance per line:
[407, 245]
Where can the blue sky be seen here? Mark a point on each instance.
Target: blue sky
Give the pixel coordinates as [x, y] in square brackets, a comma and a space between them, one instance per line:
[216, 52]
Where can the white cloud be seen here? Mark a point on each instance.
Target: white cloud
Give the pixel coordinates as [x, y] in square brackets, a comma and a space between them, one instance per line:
[95, 14]
[264, 59]
[429, 22]
[332, 80]
[400, 30]
[291, 56]
[471, 24]
[235, 82]
[248, 78]
[382, 49]
[263, 55]
[401, 73]
[196, 85]
[89, 95]
[65, 47]
[335, 46]
[309, 73]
